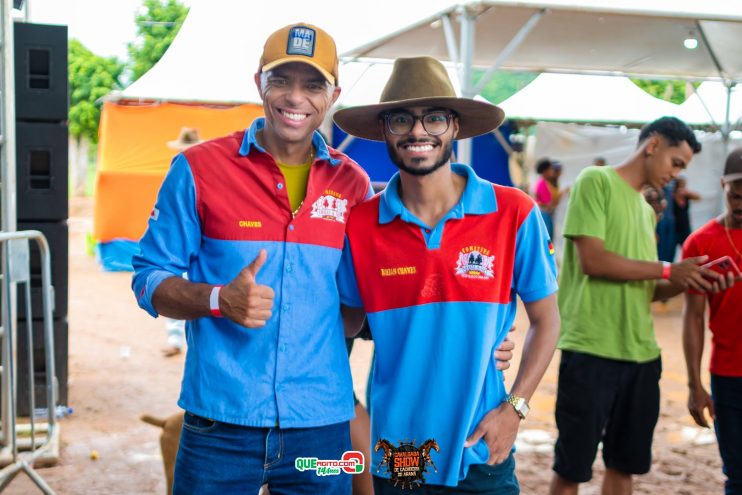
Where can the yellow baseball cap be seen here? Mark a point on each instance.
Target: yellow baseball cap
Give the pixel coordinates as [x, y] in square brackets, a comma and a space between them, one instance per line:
[301, 43]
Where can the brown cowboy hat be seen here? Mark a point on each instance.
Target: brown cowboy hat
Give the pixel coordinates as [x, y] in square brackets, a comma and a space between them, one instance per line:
[420, 81]
[187, 138]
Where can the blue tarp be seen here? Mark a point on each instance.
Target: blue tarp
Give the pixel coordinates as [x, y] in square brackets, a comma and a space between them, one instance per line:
[490, 161]
[115, 256]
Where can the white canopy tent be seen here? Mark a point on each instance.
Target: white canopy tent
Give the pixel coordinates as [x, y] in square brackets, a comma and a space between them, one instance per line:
[585, 98]
[581, 36]
[638, 38]
[216, 52]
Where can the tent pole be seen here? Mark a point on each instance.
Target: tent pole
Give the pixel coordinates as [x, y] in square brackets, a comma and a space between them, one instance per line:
[726, 128]
[503, 142]
[711, 52]
[513, 45]
[468, 21]
[453, 50]
[345, 143]
[706, 108]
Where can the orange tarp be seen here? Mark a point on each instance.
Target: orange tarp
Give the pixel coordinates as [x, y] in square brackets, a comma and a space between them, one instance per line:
[133, 157]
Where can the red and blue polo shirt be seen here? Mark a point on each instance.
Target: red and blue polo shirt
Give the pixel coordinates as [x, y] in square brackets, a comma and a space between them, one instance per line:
[220, 204]
[439, 301]
[725, 307]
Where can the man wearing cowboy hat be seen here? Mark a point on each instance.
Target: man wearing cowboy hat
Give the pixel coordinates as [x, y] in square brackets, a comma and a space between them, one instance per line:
[435, 261]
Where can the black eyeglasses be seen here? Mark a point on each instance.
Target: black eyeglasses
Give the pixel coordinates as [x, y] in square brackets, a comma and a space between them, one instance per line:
[435, 123]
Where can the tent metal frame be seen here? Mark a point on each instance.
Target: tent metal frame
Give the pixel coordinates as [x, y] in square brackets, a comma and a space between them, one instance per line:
[461, 51]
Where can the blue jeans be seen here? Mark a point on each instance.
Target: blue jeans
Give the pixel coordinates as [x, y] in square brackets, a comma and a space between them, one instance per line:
[726, 393]
[220, 458]
[482, 479]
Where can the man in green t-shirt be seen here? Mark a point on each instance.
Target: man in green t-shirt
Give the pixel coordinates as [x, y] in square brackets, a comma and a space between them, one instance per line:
[610, 367]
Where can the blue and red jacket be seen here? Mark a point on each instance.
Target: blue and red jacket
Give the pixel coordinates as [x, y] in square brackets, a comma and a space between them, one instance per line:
[220, 204]
[439, 301]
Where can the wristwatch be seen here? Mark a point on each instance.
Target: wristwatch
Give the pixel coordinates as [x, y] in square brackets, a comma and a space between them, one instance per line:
[519, 404]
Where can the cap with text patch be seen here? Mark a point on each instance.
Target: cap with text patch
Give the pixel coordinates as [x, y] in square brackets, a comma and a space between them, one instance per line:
[733, 167]
[303, 43]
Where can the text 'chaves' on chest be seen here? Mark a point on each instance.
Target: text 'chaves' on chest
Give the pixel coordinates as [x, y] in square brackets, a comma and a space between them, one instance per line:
[258, 209]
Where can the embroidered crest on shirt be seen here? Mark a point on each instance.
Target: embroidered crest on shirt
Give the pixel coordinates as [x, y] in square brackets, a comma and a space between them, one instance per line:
[474, 262]
[406, 463]
[330, 207]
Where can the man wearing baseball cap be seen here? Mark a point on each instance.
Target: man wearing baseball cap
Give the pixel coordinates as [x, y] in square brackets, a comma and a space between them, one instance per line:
[436, 261]
[257, 220]
[720, 237]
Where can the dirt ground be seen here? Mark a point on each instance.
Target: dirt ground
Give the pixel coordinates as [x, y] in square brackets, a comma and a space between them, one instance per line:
[117, 373]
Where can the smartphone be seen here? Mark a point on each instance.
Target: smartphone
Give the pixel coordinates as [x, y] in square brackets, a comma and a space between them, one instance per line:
[724, 265]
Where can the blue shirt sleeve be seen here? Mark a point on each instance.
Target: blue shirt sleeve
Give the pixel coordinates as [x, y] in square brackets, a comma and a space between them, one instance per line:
[535, 271]
[173, 235]
[346, 279]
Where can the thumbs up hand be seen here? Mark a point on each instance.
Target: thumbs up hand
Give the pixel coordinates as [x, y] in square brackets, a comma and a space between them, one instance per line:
[244, 300]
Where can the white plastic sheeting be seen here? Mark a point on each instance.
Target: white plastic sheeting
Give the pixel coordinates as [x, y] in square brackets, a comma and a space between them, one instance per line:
[576, 145]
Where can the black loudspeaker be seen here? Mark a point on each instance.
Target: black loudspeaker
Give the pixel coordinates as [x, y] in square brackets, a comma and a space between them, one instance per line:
[60, 354]
[40, 72]
[42, 171]
[41, 108]
[57, 236]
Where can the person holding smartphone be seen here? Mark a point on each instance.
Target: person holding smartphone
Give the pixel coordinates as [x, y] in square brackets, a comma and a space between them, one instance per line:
[719, 239]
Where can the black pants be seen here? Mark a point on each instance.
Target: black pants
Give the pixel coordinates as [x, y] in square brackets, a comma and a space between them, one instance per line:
[609, 401]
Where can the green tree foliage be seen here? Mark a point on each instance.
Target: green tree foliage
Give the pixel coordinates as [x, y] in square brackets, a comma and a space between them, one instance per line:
[90, 77]
[157, 24]
[673, 91]
[504, 84]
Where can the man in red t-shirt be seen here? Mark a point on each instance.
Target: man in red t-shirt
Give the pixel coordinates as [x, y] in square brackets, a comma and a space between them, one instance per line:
[722, 236]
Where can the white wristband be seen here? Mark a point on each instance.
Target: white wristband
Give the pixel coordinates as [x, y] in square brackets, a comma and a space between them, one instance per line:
[214, 301]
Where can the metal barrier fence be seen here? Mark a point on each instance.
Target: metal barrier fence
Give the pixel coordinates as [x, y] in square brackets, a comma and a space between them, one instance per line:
[14, 437]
